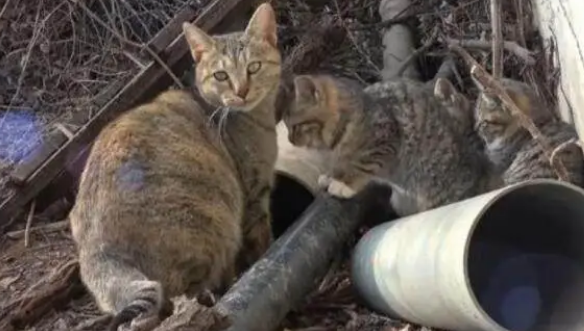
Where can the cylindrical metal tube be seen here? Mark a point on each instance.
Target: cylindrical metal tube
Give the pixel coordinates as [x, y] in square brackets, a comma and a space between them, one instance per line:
[511, 259]
[295, 264]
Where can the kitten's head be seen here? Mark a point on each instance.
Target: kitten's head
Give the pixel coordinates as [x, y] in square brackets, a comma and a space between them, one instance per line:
[494, 121]
[455, 103]
[237, 70]
[313, 118]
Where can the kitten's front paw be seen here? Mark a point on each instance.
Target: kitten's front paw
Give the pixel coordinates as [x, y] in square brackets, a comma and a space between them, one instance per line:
[324, 181]
[340, 190]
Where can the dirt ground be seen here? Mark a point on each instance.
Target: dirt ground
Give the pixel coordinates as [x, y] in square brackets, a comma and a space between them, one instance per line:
[23, 270]
[55, 59]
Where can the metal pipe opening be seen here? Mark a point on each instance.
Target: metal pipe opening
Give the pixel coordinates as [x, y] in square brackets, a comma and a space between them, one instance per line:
[525, 259]
[289, 199]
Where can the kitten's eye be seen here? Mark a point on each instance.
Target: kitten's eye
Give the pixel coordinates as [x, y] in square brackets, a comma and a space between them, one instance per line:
[220, 76]
[254, 67]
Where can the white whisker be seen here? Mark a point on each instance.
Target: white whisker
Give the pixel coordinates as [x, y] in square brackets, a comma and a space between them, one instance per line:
[223, 122]
[215, 112]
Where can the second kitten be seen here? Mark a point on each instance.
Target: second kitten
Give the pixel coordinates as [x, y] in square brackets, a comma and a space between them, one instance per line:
[511, 148]
[394, 131]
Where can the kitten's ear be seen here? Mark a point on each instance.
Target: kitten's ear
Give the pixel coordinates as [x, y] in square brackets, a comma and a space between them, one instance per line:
[263, 24]
[444, 90]
[306, 89]
[199, 41]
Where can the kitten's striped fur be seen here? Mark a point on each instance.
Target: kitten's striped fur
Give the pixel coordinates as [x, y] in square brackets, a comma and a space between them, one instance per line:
[461, 110]
[394, 131]
[510, 147]
[165, 205]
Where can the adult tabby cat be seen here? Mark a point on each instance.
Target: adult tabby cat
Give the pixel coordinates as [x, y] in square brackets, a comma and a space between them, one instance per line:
[167, 204]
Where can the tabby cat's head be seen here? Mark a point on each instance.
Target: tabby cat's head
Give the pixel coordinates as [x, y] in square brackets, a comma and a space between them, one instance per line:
[237, 70]
[494, 121]
[313, 119]
[455, 103]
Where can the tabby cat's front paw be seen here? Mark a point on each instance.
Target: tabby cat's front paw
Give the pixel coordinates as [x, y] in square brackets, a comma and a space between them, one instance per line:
[335, 187]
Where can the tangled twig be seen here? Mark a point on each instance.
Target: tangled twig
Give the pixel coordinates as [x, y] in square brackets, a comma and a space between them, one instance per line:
[563, 146]
[510, 46]
[497, 39]
[155, 56]
[419, 51]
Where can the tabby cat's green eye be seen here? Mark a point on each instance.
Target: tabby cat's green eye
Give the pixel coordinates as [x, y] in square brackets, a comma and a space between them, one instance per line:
[220, 76]
[254, 67]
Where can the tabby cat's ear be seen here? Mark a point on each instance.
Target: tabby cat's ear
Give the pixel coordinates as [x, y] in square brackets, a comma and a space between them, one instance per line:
[306, 89]
[199, 41]
[444, 90]
[263, 24]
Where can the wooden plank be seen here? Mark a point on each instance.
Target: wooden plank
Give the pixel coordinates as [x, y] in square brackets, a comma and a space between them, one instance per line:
[145, 85]
[161, 40]
[52, 142]
[56, 139]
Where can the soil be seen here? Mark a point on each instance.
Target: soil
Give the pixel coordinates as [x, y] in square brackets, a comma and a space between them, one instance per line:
[55, 61]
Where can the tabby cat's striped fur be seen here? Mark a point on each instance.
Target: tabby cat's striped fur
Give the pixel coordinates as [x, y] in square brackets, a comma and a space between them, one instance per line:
[167, 202]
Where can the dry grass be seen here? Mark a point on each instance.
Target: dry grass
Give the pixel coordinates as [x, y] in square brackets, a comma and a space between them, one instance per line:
[469, 20]
[57, 60]
[360, 57]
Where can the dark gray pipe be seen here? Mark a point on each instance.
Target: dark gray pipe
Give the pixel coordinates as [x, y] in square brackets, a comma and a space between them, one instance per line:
[296, 262]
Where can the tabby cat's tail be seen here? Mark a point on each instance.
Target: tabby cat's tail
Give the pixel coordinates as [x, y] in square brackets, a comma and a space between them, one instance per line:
[121, 289]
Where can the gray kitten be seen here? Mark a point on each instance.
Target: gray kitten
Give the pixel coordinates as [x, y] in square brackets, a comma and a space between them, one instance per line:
[394, 131]
[510, 147]
[169, 205]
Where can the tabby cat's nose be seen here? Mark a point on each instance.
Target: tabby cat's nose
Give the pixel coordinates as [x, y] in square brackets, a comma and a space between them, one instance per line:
[242, 91]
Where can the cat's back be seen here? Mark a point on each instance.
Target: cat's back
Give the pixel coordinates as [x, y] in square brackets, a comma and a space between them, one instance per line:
[420, 117]
[162, 135]
[413, 105]
[157, 175]
[434, 157]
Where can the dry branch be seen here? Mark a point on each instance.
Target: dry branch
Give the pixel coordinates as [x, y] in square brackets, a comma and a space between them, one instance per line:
[422, 49]
[492, 86]
[192, 316]
[97, 323]
[50, 293]
[48, 228]
[29, 223]
[315, 46]
[563, 146]
[143, 46]
[497, 39]
[511, 46]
